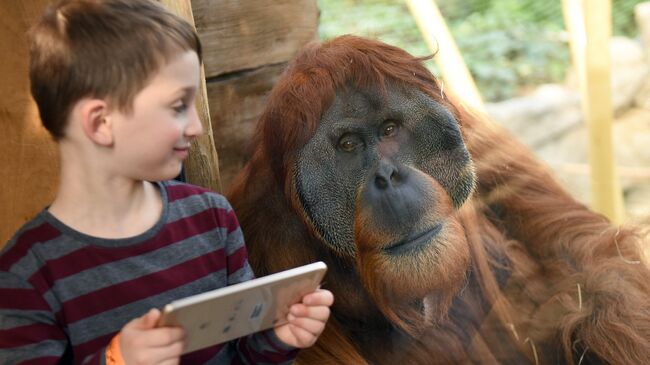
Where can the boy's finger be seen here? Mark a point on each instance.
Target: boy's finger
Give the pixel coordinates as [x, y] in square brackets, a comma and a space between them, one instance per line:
[320, 313]
[149, 319]
[163, 336]
[313, 326]
[319, 297]
[170, 362]
[167, 354]
[172, 351]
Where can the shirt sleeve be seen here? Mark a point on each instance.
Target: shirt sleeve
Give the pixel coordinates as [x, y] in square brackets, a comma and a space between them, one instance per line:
[238, 268]
[262, 347]
[29, 332]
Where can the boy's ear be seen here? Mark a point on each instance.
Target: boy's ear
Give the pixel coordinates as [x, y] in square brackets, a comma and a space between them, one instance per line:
[95, 122]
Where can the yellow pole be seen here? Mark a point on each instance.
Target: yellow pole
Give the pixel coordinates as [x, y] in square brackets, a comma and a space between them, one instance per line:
[202, 166]
[590, 28]
[448, 58]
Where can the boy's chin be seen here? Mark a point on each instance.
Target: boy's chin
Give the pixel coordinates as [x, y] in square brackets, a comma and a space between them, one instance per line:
[166, 174]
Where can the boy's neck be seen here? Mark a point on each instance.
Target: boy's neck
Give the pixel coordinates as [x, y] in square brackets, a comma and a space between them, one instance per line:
[105, 206]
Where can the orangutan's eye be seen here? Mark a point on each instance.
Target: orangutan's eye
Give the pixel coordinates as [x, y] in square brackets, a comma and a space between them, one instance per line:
[389, 129]
[349, 142]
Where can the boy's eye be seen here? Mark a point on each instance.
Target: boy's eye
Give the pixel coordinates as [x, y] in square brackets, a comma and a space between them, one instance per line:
[180, 107]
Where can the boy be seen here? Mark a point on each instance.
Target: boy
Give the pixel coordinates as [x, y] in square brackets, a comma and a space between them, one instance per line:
[115, 82]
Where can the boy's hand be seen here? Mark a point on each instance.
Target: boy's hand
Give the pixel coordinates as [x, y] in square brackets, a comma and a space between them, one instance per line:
[306, 319]
[142, 343]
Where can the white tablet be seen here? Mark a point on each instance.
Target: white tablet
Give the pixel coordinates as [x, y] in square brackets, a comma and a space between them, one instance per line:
[238, 310]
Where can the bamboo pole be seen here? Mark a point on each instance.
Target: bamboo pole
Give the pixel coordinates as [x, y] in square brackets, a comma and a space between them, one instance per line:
[642, 17]
[590, 28]
[202, 165]
[448, 58]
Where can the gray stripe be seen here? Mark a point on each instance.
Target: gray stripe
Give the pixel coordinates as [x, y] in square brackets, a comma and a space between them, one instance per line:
[11, 318]
[10, 280]
[235, 241]
[193, 204]
[113, 320]
[111, 273]
[52, 301]
[16, 355]
[241, 275]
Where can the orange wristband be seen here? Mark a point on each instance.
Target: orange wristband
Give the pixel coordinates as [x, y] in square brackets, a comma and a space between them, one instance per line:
[113, 353]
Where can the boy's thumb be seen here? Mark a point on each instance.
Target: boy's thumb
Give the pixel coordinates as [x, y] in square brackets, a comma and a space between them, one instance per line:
[149, 319]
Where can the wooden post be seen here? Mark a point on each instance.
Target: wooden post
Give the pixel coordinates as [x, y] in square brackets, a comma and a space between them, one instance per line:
[590, 28]
[642, 17]
[448, 58]
[202, 165]
[29, 162]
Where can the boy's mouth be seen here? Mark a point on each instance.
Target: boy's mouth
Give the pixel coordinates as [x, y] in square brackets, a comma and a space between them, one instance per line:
[182, 148]
[182, 151]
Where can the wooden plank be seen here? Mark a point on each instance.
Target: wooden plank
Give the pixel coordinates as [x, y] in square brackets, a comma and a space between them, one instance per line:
[236, 104]
[28, 157]
[590, 28]
[239, 35]
[202, 165]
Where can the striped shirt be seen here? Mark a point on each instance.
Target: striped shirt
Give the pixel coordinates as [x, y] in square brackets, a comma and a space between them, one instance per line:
[64, 294]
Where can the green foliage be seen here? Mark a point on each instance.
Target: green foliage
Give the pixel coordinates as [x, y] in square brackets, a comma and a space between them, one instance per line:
[389, 21]
[509, 46]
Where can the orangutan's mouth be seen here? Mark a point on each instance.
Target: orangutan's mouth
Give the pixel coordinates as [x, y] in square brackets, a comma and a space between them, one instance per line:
[414, 242]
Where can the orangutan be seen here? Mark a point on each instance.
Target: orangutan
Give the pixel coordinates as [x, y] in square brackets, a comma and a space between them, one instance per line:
[447, 241]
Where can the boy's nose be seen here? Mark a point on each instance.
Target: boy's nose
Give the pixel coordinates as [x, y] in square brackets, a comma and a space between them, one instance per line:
[194, 127]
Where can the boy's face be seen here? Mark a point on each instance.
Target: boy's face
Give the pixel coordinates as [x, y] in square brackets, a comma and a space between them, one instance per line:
[151, 142]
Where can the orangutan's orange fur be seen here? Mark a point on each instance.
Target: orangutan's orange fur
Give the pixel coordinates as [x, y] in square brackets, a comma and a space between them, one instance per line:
[577, 288]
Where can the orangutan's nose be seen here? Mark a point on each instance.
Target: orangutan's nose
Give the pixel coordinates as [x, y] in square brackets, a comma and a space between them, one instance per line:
[388, 176]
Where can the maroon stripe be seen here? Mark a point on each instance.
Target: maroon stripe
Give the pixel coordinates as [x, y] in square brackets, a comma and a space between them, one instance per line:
[87, 257]
[278, 357]
[201, 356]
[237, 260]
[30, 334]
[26, 240]
[175, 192]
[142, 287]
[23, 299]
[91, 347]
[42, 360]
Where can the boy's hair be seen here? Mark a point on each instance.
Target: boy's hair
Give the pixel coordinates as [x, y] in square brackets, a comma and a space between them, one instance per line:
[100, 48]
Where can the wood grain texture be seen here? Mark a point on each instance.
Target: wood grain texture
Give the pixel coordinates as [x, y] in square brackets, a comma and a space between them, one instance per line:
[28, 156]
[236, 104]
[239, 35]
